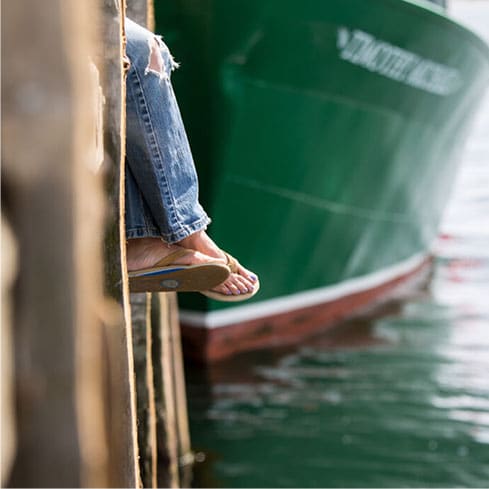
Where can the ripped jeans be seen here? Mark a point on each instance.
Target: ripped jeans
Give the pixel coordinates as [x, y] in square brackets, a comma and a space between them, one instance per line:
[161, 182]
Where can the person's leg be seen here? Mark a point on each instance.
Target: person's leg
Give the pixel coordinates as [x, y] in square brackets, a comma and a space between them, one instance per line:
[162, 185]
[158, 153]
[145, 246]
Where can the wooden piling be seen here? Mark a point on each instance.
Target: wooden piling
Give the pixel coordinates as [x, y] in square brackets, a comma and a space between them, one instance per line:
[138, 11]
[121, 401]
[174, 408]
[45, 170]
[142, 12]
[98, 384]
[7, 420]
[146, 410]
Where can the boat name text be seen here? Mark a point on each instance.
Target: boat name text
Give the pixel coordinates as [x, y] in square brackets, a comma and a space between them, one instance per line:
[363, 49]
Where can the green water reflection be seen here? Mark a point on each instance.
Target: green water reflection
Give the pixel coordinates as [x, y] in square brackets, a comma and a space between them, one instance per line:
[402, 401]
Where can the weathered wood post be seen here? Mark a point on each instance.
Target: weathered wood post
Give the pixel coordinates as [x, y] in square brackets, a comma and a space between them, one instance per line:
[75, 384]
[140, 11]
[47, 131]
[173, 429]
[121, 406]
[9, 270]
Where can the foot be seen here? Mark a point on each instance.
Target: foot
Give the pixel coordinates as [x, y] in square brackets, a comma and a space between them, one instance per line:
[145, 252]
[242, 282]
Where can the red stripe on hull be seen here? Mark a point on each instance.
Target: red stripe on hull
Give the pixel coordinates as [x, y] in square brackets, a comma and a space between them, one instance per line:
[212, 344]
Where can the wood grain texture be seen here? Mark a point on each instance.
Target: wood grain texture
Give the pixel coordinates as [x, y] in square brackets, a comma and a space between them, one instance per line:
[121, 404]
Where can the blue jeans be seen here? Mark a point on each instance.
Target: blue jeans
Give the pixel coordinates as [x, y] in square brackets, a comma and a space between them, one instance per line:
[161, 181]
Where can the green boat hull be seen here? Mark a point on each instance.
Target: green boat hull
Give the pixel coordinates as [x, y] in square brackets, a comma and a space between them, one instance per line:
[326, 136]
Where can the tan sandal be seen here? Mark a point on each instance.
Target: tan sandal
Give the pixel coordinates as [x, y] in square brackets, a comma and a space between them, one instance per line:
[232, 264]
[167, 276]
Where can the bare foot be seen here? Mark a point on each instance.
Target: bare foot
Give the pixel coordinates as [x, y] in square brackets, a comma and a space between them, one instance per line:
[145, 252]
[237, 283]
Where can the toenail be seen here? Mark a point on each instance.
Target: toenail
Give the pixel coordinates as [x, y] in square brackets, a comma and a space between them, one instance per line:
[253, 277]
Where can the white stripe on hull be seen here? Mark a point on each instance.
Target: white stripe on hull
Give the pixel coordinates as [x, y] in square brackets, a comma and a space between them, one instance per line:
[301, 300]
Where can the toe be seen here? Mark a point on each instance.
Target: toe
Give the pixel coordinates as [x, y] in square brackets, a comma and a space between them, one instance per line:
[222, 289]
[247, 273]
[233, 287]
[239, 284]
[243, 284]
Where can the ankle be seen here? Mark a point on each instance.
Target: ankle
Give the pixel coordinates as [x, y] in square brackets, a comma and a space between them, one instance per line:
[201, 241]
[141, 246]
[143, 242]
[192, 241]
[143, 252]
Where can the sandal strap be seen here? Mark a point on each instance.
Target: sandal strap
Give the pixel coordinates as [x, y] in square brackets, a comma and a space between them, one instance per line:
[232, 263]
[170, 259]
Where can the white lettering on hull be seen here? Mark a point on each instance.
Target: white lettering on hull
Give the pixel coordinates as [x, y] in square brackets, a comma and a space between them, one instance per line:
[363, 49]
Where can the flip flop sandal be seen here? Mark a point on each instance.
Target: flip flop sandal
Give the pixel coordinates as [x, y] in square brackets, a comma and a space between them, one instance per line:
[166, 276]
[233, 266]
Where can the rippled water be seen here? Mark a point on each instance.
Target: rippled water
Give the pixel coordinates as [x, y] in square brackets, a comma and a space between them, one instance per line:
[399, 400]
